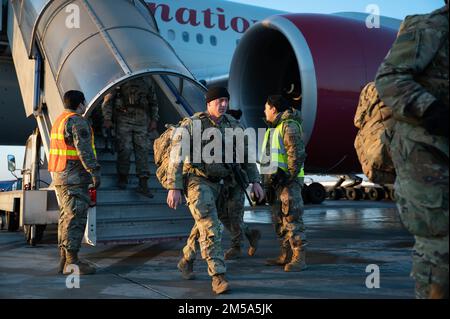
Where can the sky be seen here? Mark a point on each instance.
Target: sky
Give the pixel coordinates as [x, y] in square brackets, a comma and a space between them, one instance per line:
[390, 8]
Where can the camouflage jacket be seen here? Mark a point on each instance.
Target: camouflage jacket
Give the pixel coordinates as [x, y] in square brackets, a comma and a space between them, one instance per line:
[292, 139]
[414, 74]
[179, 167]
[77, 133]
[134, 102]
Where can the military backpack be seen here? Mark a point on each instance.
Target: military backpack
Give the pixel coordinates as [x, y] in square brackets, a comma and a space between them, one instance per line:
[374, 120]
[162, 147]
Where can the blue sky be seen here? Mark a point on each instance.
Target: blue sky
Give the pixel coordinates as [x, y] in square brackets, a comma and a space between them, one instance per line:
[391, 8]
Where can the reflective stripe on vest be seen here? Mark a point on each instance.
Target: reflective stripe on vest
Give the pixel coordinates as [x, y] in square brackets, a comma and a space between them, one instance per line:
[278, 154]
[60, 152]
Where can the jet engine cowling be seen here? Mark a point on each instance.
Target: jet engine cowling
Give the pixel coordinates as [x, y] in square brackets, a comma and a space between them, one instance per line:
[330, 59]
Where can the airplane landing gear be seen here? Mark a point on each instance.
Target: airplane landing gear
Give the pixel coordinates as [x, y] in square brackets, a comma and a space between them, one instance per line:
[314, 193]
[375, 193]
[356, 191]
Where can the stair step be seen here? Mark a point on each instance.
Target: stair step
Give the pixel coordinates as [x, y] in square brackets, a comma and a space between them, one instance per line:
[125, 216]
[110, 168]
[100, 142]
[139, 211]
[139, 239]
[170, 227]
[110, 182]
[138, 220]
[105, 196]
[108, 157]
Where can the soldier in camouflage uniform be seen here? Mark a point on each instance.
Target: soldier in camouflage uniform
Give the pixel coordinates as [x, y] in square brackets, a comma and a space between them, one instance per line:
[231, 209]
[73, 181]
[134, 108]
[283, 180]
[231, 214]
[202, 185]
[414, 81]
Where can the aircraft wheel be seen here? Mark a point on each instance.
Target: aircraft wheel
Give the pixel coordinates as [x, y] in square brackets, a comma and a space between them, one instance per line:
[305, 197]
[336, 194]
[316, 193]
[354, 193]
[375, 193]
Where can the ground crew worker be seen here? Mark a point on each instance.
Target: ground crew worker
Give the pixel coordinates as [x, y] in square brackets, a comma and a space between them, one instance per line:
[134, 108]
[73, 162]
[202, 186]
[283, 177]
[231, 210]
[414, 81]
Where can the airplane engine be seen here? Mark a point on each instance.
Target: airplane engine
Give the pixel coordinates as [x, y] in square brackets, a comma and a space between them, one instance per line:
[329, 59]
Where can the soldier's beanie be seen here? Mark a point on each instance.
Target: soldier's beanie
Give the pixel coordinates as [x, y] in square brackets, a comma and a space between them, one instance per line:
[278, 102]
[72, 99]
[215, 93]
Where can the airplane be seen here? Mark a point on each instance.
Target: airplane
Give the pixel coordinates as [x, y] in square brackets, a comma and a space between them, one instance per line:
[256, 52]
[51, 46]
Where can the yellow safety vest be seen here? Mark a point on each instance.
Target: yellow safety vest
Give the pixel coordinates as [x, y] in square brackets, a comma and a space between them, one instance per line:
[278, 154]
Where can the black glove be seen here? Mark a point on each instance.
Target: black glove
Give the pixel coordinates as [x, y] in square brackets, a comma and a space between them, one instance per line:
[96, 181]
[435, 119]
[281, 178]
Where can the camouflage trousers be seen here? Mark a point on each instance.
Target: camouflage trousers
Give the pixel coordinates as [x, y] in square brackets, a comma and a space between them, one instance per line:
[202, 196]
[133, 137]
[231, 214]
[287, 216]
[421, 190]
[74, 203]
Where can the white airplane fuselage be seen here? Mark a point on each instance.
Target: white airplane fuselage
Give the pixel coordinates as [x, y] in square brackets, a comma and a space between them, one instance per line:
[203, 33]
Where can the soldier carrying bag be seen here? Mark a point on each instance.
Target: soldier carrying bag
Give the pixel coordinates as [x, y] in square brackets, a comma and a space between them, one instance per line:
[375, 123]
[162, 147]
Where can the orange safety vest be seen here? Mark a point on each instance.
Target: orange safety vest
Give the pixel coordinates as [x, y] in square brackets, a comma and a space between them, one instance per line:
[60, 152]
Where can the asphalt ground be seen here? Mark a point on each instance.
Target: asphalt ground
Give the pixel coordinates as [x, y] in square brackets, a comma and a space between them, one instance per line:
[348, 241]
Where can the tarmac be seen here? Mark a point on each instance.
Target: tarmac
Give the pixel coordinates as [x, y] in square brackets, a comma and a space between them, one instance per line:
[348, 241]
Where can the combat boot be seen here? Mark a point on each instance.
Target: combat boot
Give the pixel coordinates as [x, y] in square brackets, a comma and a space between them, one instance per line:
[62, 260]
[253, 239]
[282, 259]
[143, 187]
[123, 181]
[220, 284]
[187, 268]
[233, 253]
[298, 262]
[72, 259]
